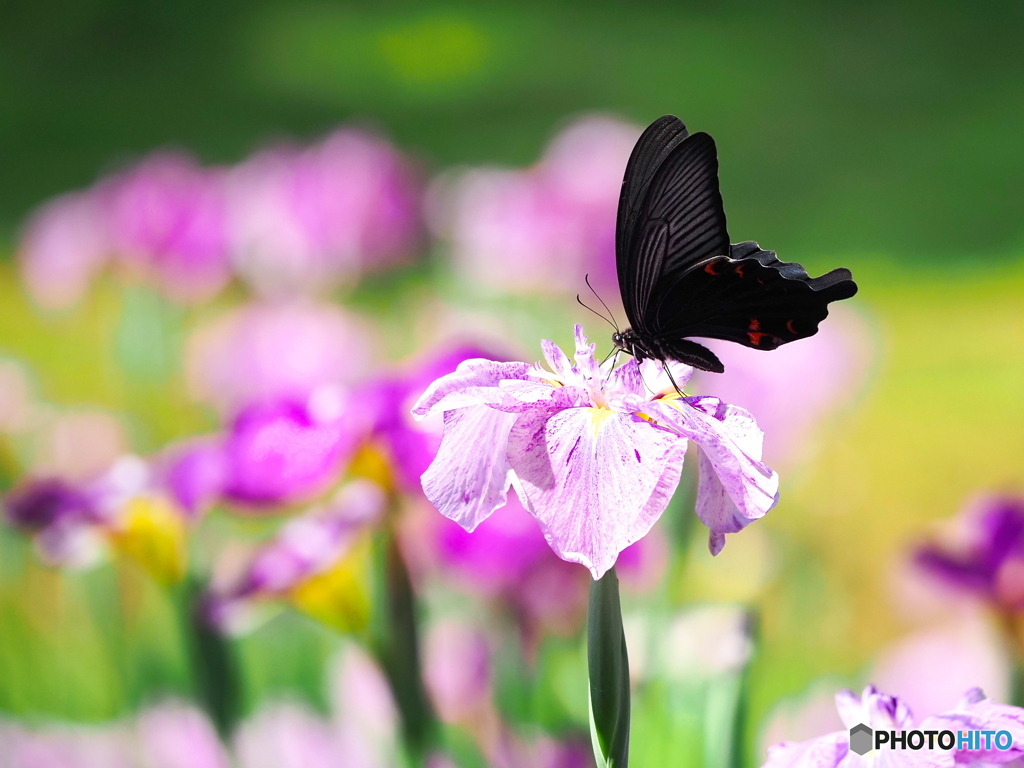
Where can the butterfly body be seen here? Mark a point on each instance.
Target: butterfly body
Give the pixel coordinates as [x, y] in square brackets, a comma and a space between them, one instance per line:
[678, 274]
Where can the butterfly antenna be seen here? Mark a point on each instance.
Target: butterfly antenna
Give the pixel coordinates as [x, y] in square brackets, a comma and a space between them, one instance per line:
[586, 279]
[613, 325]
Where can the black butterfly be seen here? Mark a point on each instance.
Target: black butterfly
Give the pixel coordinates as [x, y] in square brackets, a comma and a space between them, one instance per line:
[678, 274]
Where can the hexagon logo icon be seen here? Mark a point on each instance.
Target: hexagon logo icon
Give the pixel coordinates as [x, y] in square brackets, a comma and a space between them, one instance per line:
[861, 737]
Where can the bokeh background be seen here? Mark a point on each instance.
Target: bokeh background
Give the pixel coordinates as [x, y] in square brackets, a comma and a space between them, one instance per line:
[882, 137]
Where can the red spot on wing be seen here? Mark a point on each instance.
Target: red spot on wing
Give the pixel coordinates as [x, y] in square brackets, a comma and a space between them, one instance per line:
[755, 337]
[710, 267]
[739, 271]
[790, 326]
[755, 324]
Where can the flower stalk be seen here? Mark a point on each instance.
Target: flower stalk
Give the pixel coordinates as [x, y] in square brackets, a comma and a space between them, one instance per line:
[608, 664]
[397, 649]
[214, 667]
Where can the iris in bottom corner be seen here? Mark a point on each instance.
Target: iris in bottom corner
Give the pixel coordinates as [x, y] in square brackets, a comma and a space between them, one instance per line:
[593, 450]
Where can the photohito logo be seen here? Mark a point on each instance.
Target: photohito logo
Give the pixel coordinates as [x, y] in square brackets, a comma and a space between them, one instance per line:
[863, 739]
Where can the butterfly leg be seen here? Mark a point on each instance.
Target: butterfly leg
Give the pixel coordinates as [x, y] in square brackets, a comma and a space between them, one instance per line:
[671, 378]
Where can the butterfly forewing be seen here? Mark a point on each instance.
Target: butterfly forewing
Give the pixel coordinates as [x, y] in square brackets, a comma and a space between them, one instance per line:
[683, 223]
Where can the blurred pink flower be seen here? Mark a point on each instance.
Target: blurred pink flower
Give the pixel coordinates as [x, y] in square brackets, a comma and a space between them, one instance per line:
[267, 351]
[66, 746]
[457, 670]
[508, 560]
[968, 651]
[167, 218]
[63, 246]
[174, 734]
[307, 547]
[364, 711]
[791, 390]
[289, 735]
[308, 220]
[555, 222]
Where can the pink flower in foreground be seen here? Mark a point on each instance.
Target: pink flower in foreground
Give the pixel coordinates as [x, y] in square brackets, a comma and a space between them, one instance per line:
[167, 217]
[591, 453]
[880, 711]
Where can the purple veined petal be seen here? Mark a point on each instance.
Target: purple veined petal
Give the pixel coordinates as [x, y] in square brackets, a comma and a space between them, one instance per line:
[628, 380]
[470, 476]
[585, 362]
[735, 488]
[474, 383]
[596, 480]
[977, 712]
[556, 359]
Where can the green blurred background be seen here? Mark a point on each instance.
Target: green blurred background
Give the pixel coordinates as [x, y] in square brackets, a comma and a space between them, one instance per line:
[883, 137]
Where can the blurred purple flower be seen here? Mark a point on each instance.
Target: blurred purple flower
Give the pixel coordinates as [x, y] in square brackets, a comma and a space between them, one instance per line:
[287, 452]
[195, 473]
[124, 507]
[880, 711]
[177, 735]
[555, 221]
[591, 454]
[791, 390]
[987, 560]
[64, 245]
[63, 518]
[305, 563]
[310, 220]
[167, 218]
[267, 351]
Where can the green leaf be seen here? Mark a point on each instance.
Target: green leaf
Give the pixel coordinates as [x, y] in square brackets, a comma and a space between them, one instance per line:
[609, 674]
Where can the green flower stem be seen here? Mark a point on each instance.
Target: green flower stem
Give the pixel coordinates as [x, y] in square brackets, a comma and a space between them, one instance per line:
[609, 674]
[212, 662]
[398, 652]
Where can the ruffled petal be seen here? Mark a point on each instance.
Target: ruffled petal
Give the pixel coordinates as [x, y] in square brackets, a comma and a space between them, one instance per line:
[470, 475]
[474, 382]
[735, 488]
[596, 480]
[976, 712]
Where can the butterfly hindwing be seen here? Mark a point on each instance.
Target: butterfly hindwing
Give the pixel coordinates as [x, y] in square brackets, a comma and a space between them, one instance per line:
[751, 298]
